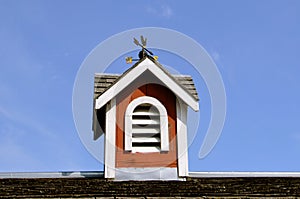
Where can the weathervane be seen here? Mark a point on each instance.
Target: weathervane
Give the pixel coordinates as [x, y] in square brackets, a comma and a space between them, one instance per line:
[143, 53]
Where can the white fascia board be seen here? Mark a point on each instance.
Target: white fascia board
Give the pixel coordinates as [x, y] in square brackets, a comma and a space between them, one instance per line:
[135, 73]
[173, 86]
[120, 85]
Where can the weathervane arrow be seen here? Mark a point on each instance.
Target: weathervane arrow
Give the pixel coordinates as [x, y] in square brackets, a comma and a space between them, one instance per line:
[136, 42]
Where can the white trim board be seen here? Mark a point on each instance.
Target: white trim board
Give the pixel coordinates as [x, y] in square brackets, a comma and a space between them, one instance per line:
[147, 174]
[133, 74]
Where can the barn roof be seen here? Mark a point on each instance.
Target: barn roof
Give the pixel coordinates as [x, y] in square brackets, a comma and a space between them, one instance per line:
[98, 187]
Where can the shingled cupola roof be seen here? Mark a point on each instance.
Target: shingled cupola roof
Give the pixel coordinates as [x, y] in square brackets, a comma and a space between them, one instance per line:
[103, 81]
[106, 85]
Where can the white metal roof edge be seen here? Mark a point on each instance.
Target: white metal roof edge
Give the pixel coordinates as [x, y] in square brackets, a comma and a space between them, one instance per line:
[114, 74]
[65, 174]
[100, 174]
[242, 174]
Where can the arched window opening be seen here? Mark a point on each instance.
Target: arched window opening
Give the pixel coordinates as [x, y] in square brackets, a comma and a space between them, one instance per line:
[146, 126]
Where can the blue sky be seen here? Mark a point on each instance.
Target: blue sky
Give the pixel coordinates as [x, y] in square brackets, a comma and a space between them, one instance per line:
[255, 45]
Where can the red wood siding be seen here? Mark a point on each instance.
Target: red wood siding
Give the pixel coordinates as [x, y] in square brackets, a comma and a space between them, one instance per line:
[158, 159]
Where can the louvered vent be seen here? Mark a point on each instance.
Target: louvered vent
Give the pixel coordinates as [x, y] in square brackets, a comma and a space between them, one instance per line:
[146, 129]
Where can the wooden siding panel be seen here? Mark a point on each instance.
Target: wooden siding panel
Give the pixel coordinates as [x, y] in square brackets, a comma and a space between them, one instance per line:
[155, 159]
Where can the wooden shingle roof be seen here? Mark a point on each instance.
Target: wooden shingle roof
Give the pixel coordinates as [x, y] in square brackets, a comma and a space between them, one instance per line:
[231, 187]
[149, 65]
[103, 81]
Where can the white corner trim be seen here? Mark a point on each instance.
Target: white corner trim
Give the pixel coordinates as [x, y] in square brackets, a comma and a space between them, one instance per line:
[135, 73]
[163, 121]
[110, 140]
[182, 143]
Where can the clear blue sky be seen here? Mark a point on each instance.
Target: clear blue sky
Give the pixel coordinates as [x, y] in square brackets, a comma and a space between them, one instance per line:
[255, 44]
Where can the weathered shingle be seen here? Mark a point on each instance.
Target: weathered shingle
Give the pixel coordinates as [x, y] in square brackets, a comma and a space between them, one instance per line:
[102, 82]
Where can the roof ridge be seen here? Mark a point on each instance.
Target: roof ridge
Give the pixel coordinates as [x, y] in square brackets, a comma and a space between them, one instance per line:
[116, 74]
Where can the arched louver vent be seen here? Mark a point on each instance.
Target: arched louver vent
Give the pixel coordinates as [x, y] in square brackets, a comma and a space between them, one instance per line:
[145, 129]
[146, 126]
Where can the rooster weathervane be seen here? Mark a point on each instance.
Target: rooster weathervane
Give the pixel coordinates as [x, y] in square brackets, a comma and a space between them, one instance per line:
[143, 53]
